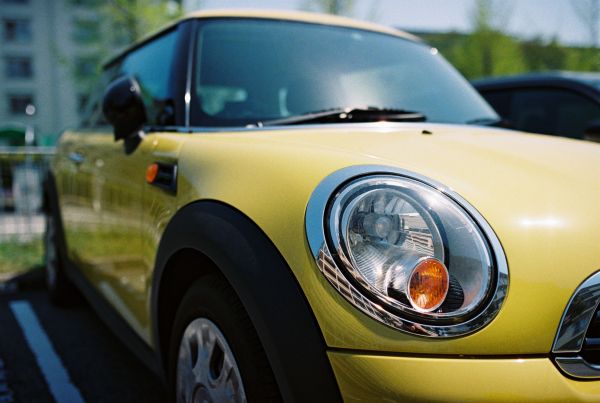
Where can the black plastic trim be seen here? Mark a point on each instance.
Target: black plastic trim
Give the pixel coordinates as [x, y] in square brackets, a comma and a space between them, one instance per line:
[486, 86]
[166, 178]
[180, 70]
[115, 322]
[266, 287]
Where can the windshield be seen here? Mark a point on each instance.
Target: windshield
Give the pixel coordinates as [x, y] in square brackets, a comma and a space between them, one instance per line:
[247, 71]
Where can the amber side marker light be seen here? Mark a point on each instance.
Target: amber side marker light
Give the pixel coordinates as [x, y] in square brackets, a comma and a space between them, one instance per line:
[428, 285]
[151, 173]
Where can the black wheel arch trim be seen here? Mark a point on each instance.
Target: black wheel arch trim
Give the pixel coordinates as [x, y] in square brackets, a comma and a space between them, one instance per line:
[246, 257]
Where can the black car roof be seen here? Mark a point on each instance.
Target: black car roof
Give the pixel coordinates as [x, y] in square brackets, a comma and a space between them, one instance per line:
[588, 83]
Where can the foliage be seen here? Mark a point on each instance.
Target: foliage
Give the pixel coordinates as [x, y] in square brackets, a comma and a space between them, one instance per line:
[539, 55]
[117, 24]
[488, 51]
[127, 21]
[588, 12]
[18, 256]
[485, 53]
[474, 56]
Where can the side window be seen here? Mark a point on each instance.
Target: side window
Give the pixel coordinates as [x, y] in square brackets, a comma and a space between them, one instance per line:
[500, 101]
[92, 115]
[151, 66]
[553, 111]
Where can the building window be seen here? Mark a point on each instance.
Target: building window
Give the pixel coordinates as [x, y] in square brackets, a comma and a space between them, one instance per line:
[17, 30]
[19, 104]
[18, 67]
[86, 67]
[86, 30]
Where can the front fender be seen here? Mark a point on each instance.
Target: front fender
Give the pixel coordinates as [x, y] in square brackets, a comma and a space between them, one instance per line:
[261, 278]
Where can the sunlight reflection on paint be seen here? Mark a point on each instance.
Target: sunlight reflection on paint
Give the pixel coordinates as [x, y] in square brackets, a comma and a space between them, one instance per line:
[542, 222]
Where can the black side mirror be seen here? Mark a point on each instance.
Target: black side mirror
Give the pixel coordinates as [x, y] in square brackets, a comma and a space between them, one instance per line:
[124, 109]
[592, 130]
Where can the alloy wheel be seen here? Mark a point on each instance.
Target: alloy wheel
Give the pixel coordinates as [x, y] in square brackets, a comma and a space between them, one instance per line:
[206, 368]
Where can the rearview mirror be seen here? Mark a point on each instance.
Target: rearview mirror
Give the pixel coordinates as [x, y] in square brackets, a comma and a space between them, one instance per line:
[124, 109]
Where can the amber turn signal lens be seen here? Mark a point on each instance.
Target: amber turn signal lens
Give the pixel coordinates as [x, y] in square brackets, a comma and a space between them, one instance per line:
[428, 285]
[151, 173]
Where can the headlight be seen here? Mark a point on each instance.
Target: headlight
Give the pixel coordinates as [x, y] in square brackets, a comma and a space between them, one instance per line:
[408, 253]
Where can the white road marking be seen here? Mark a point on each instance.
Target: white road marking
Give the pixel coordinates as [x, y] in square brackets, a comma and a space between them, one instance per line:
[6, 395]
[54, 372]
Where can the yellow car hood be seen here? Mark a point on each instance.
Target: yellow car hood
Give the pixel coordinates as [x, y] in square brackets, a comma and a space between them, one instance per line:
[538, 193]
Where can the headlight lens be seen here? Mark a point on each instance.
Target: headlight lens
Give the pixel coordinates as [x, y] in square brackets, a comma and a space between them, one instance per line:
[410, 249]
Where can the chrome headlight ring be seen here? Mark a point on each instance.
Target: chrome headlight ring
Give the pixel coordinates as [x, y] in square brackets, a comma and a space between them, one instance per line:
[350, 212]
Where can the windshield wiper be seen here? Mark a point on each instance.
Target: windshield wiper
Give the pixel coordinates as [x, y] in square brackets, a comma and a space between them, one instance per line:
[349, 114]
[486, 121]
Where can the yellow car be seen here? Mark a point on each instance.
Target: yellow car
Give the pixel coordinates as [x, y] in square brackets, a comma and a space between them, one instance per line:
[309, 208]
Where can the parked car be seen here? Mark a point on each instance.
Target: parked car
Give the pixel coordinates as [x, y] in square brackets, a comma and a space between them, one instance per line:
[558, 103]
[309, 208]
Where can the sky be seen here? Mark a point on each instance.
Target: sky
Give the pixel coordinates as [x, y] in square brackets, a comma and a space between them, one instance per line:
[522, 18]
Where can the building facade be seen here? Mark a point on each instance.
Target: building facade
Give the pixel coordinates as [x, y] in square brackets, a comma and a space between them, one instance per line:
[48, 52]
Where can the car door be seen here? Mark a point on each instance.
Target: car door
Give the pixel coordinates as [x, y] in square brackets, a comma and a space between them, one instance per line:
[545, 109]
[123, 275]
[552, 110]
[119, 269]
[74, 172]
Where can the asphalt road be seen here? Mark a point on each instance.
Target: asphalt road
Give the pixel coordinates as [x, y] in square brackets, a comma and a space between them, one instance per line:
[40, 351]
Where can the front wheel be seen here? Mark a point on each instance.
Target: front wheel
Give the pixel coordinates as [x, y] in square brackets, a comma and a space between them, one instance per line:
[215, 354]
[206, 368]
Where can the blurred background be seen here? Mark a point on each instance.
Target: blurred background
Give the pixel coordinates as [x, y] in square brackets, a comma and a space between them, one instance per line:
[51, 53]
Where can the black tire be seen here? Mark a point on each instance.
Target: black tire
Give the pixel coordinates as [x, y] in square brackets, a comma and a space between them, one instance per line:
[211, 297]
[60, 289]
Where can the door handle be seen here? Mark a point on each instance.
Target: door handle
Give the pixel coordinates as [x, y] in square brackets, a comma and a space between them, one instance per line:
[76, 157]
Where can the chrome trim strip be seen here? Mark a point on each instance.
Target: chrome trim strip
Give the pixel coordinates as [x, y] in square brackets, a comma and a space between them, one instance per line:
[577, 316]
[315, 232]
[573, 327]
[578, 367]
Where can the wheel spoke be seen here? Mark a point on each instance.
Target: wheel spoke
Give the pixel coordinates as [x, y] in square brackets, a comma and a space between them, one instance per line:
[206, 365]
[200, 367]
[188, 355]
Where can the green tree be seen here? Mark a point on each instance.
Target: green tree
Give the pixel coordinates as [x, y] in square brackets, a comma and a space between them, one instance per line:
[126, 21]
[487, 50]
[582, 59]
[539, 55]
[117, 24]
[588, 12]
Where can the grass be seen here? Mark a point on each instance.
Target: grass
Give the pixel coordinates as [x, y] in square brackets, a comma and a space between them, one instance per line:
[17, 257]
